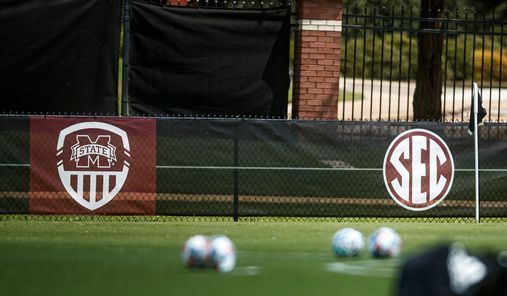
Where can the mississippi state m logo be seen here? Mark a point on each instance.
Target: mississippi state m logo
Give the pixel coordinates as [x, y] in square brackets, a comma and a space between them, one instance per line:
[418, 169]
[93, 160]
[87, 152]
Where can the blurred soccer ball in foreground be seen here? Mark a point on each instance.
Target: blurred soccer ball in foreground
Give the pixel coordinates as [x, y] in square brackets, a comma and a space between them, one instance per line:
[347, 242]
[196, 252]
[384, 243]
[223, 253]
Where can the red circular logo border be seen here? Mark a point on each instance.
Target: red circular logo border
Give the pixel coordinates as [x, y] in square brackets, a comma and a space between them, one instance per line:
[441, 143]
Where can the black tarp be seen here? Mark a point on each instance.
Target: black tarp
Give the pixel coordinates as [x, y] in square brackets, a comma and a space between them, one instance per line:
[59, 55]
[208, 61]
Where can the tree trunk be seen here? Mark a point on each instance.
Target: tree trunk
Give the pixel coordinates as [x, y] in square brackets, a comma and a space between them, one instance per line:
[427, 101]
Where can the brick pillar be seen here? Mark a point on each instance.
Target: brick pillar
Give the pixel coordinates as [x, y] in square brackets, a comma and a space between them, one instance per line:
[317, 59]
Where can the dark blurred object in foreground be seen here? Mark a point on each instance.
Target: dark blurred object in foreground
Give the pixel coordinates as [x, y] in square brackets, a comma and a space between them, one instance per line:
[450, 270]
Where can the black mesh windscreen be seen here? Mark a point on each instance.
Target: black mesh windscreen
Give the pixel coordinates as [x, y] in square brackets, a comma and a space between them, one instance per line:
[208, 61]
[14, 164]
[59, 56]
[310, 168]
[242, 167]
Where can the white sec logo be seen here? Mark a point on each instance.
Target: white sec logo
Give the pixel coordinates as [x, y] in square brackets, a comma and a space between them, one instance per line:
[418, 169]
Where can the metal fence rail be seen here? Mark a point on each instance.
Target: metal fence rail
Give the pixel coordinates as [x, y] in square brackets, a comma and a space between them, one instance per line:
[379, 62]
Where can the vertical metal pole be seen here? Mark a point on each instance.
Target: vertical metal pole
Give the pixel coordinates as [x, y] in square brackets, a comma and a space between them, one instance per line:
[483, 20]
[500, 73]
[464, 69]
[456, 16]
[491, 66]
[409, 59]
[354, 69]
[235, 201]
[446, 55]
[126, 46]
[364, 60]
[373, 61]
[400, 62]
[475, 96]
[345, 39]
[381, 66]
[391, 65]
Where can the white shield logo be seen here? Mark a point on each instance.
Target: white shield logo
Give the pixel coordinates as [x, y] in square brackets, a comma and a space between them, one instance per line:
[95, 172]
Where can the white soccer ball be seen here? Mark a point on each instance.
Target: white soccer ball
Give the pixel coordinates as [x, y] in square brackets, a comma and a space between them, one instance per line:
[384, 242]
[223, 253]
[196, 252]
[347, 242]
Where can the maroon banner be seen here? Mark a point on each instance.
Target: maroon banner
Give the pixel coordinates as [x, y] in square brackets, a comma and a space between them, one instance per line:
[92, 166]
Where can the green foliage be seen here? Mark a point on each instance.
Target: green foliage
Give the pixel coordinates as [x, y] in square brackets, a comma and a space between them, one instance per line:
[457, 58]
[384, 54]
[492, 65]
[377, 49]
[399, 52]
[380, 3]
[480, 6]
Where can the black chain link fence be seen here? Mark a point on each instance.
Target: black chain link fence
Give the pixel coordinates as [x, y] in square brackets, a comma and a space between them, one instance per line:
[237, 167]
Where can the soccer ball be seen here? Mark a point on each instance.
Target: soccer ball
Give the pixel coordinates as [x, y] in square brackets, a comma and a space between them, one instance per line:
[347, 242]
[223, 253]
[384, 243]
[196, 252]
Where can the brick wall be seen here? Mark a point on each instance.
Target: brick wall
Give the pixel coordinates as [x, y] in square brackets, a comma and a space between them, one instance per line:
[317, 59]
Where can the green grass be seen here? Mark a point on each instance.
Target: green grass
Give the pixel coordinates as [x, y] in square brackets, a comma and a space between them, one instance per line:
[104, 257]
[349, 96]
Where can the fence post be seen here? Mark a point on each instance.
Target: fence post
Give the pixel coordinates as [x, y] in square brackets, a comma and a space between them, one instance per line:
[317, 59]
[235, 200]
[126, 45]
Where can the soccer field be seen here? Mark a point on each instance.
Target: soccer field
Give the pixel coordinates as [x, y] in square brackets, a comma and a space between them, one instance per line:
[274, 258]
